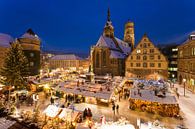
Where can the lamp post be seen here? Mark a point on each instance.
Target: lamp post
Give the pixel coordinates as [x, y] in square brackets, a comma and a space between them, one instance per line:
[184, 87]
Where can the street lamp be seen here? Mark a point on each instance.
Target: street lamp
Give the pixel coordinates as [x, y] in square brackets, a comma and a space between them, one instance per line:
[184, 87]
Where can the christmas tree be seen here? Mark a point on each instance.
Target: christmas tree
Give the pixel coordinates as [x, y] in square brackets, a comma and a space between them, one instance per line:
[15, 68]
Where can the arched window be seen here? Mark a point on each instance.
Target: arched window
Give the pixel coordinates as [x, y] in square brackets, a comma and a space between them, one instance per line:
[97, 60]
[104, 58]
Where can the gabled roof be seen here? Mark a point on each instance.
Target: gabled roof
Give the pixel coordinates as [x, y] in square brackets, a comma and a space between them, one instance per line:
[30, 35]
[5, 40]
[66, 57]
[110, 43]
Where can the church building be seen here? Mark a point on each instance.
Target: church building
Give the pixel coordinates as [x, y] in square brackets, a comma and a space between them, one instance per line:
[109, 54]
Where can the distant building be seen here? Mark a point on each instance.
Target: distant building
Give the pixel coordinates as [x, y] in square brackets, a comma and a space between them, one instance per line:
[171, 52]
[30, 43]
[186, 62]
[109, 54]
[69, 62]
[146, 61]
[5, 41]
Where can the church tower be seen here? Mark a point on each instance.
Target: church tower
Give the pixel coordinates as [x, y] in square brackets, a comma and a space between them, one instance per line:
[129, 34]
[108, 28]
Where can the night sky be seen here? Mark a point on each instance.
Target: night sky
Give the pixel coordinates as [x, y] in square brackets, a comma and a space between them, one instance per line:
[75, 25]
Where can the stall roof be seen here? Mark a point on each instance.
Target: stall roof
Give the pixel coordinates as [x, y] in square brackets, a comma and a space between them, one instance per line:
[148, 95]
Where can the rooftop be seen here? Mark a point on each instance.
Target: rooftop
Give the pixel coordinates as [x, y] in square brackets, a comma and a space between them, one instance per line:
[66, 57]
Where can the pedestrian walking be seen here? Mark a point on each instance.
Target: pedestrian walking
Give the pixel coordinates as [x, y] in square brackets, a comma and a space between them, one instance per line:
[52, 100]
[113, 108]
[117, 108]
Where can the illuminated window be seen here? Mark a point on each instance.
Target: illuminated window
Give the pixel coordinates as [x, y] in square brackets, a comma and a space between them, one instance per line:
[144, 57]
[152, 64]
[174, 49]
[131, 64]
[31, 64]
[32, 54]
[145, 51]
[193, 51]
[138, 51]
[144, 64]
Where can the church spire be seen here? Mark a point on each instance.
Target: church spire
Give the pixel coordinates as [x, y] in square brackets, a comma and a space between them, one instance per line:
[108, 15]
[108, 28]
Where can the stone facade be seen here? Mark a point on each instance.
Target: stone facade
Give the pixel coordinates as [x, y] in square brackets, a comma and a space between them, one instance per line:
[146, 62]
[68, 61]
[109, 54]
[30, 43]
[186, 63]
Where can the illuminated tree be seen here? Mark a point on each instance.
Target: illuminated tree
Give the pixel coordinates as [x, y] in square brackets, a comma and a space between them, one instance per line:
[15, 68]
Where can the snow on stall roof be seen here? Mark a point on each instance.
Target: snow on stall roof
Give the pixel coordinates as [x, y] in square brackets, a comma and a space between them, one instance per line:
[116, 54]
[5, 40]
[148, 95]
[66, 57]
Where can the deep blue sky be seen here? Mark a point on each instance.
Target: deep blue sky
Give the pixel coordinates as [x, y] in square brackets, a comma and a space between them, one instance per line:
[75, 25]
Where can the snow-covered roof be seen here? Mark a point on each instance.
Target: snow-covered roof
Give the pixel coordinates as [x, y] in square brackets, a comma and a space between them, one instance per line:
[106, 42]
[117, 54]
[124, 46]
[148, 95]
[5, 40]
[30, 35]
[120, 51]
[66, 57]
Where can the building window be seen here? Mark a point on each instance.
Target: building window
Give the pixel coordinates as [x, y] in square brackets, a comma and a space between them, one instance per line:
[132, 57]
[31, 64]
[141, 45]
[148, 44]
[151, 50]
[137, 64]
[174, 49]
[181, 54]
[32, 54]
[173, 62]
[144, 64]
[138, 57]
[131, 64]
[104, 58]
[159, 57]
[151, 57]
[145, 51]
[97, 60]
[152, 65]
[159, 65]
[144, 57]
[145, 45]
[138, 51]
[193, 51]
